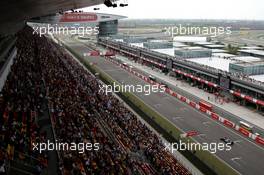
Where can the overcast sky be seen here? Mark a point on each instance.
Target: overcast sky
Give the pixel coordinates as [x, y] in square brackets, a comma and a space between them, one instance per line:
[189, 9]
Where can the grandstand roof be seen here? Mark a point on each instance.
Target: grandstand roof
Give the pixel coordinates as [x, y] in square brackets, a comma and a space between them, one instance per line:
[14, 13]
[80, 17]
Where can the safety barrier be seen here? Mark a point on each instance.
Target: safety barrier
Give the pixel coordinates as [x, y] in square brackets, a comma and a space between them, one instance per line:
[213, 115]
[259, 140]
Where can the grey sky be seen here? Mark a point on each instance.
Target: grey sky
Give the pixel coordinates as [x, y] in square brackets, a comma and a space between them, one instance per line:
[189, 9]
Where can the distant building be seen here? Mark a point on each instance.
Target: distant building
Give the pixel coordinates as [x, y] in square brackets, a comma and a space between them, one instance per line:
[213, 62]
[251, 48]
[169, 51]
[219, 51]
[190, 39]
[214, 46]
[254, 53]
[158, 44]
[223, 55]
[178, 44]
[204, 43]
[247, 59]
[192, 52]
[248, 68]
[108, 28]
[135, 39]
[107, 23]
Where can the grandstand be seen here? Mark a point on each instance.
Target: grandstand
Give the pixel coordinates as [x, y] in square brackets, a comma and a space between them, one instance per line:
[46, 92]
[56, 58]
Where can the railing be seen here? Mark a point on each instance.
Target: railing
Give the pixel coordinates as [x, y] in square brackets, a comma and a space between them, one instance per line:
[5, 69]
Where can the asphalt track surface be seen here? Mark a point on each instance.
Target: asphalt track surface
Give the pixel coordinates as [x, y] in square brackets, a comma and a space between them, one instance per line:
[218, 110]
[245, 156]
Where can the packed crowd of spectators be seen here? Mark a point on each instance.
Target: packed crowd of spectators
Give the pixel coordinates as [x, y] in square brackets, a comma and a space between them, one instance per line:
[79, 114]
[20, 106]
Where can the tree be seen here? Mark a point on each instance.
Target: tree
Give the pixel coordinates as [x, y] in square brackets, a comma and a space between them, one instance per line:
[232, 49]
